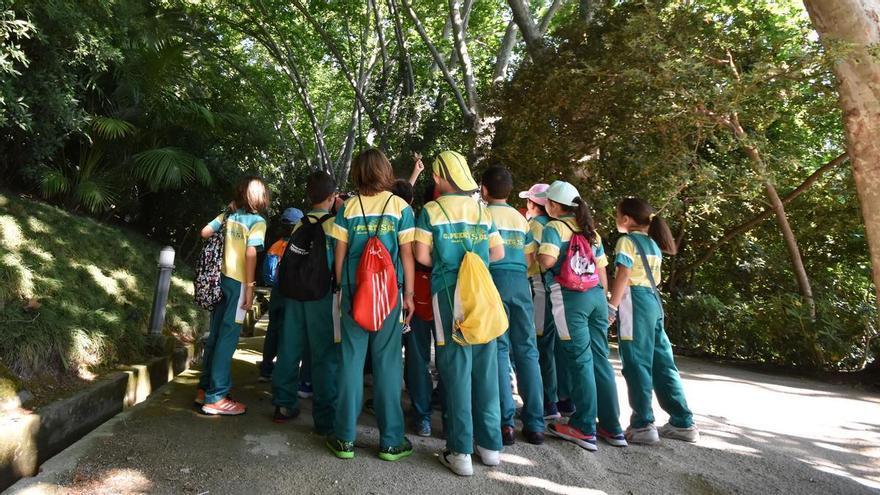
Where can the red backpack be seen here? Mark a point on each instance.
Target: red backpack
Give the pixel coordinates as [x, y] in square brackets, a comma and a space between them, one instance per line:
[578, 271]
[375, 293]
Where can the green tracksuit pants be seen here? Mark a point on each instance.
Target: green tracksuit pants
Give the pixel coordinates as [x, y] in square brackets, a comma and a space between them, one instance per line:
[417, 345]
[519, 342]
[554, 371]
[307, 330]
[384, 346]
[471, 403]
[648, 365]
[226, 320]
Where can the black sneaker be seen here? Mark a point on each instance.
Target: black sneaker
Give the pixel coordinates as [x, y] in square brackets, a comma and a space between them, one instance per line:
[284, 414]
[534, 437]
[341, 449]
[397, 453]
[508, 435]
[566, 407]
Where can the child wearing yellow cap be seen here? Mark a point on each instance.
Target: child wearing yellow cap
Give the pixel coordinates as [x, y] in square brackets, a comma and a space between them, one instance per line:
[448, 227]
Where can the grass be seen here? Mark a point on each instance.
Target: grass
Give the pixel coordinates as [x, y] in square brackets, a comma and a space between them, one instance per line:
[75, 295]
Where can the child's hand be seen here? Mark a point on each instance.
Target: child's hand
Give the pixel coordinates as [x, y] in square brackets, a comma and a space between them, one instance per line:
[418, 166]
[612, 315]
[248, 298]
[409, 308]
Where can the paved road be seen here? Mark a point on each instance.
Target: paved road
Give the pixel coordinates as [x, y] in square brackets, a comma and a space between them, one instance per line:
[761, 434]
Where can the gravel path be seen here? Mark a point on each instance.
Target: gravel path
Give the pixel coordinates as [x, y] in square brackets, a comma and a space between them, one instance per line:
[761, 434]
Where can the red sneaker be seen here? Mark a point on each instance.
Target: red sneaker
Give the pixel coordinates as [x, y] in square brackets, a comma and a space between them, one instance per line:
[225, 407]
[573, 435]
[200, 398]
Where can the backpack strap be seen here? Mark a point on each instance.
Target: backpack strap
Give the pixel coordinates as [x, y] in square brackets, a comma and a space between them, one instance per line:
[381, 215]
[648, 272]
[470, 244]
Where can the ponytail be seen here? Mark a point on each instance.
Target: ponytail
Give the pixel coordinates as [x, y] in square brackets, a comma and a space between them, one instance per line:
[582, 217]
[644, 215]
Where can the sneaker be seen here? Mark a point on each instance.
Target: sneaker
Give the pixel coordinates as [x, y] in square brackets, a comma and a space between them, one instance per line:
[613, 439]
[341, 449]
[199, 401]
[691, 434]
[423, 427]
[305, 390]
[508, 435]
[264, 378]
[534, 437]
[566, 407]
[646, 435]
[368, 407]
[489, 457]
[574, 435]
[224, 407]
[459, 464]
[284, 414]
[398, 452]
[550, 411]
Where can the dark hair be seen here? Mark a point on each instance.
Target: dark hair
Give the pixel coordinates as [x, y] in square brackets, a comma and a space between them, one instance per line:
[540, 207]
[371, 172]
[583, 217]
[404, 189]
[498, 182]
[643, 215]
[251, 194]
[319, 186]
[428, 193]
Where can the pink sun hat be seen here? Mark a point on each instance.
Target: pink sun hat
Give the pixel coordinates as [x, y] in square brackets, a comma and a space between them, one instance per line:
[533, 192]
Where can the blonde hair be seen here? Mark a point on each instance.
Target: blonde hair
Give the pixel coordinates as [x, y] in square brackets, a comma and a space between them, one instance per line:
[371, 172]
[251, 194]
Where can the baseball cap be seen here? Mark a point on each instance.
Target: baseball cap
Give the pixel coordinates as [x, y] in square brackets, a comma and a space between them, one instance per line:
[561, 192]
[454, 168]
[533, 192]
[291, 216]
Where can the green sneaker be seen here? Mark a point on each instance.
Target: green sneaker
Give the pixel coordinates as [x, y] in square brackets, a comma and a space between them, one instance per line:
[396, 453]
[342, 450]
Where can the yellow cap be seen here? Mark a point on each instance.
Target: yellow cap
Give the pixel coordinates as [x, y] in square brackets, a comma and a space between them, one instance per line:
[454, 168]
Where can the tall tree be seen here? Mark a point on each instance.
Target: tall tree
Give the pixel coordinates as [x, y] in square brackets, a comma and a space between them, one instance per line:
[854, 27]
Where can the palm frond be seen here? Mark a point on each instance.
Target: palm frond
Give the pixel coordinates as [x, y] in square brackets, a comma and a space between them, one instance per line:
[169, 167]
[54, 182]
[95, 194]
[110, 128]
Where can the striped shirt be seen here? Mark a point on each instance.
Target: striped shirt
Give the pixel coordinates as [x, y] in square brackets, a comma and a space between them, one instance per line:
[627, 255]
[517, 236]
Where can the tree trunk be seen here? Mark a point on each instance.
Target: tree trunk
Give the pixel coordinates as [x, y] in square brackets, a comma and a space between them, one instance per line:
[857, 24]
[530, 31]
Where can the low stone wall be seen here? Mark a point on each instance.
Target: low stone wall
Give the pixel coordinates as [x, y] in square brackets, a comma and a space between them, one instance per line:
[28, 441]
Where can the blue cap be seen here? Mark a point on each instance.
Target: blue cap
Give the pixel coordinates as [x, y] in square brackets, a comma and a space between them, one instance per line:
[291, 216]
[561, 192]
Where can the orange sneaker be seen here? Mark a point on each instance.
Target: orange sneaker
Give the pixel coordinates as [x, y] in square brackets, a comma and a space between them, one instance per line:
[225, 407]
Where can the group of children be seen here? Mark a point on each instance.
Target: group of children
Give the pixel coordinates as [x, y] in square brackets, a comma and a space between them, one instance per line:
[556, 342]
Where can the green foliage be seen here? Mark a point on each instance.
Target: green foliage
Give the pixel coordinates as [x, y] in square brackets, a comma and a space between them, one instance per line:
[75, 294]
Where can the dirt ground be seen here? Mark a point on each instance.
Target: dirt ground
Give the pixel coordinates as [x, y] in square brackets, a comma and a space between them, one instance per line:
[761, 434]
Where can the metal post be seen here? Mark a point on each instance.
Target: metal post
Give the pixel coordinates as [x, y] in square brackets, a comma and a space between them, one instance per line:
[160, 297]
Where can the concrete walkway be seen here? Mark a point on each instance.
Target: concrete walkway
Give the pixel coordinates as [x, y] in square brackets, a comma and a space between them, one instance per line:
[761, 434]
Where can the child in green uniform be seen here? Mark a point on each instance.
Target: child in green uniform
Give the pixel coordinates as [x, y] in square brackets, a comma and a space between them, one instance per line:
[373, 211]
[509, 275]
[245, 234]
[308, 329]
[554, 373]
[581, 322]
[645, 351]
[447, 227]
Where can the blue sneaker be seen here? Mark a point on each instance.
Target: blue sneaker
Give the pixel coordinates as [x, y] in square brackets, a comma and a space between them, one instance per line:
[566, 407]
[615, 439]
[305, 390]
[423, 427]
[550, 411]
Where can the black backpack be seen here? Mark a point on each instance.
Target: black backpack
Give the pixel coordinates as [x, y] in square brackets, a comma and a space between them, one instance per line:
[207, 293]
[303, 273]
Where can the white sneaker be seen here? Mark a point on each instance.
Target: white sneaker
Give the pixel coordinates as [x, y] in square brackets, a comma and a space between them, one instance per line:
[489, 457]
[646, 436]
[459, 464]
[691, 434]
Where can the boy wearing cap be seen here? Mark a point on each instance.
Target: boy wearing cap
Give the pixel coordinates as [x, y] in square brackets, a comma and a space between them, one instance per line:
[512, 282]
[447, 227]
[289, 219]
[554, 373]
[307, 330]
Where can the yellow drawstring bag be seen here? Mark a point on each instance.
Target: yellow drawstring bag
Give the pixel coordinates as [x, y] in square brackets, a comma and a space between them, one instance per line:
[477, 310]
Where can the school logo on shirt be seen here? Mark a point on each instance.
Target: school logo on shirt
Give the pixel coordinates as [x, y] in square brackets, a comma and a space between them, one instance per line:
[474, 233]
[385, 227]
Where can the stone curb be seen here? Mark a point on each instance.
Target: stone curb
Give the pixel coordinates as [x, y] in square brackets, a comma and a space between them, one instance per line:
[28, 441]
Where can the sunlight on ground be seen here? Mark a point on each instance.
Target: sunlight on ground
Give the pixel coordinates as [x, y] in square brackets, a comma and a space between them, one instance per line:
[184, 285]
[533, 482]
[38, 226]
[831, 468]
[11, 236]
[25, 277]
[515, 459]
